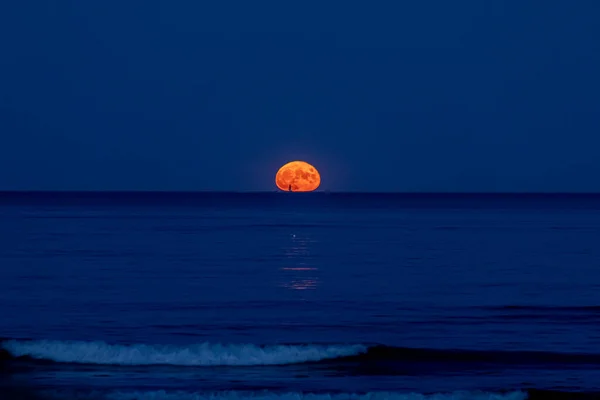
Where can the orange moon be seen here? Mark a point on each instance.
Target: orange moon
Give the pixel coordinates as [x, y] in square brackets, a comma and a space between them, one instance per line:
[298, 176]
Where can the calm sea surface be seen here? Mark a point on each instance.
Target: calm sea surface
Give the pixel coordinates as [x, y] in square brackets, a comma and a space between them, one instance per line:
[278, 295]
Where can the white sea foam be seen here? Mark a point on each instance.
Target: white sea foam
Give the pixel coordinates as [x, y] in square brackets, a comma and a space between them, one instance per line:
[204, 354]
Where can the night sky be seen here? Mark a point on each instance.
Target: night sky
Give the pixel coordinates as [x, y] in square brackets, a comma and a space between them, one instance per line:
[428, 95]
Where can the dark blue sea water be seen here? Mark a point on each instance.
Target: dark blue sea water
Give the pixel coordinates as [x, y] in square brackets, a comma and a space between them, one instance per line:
[171, 296]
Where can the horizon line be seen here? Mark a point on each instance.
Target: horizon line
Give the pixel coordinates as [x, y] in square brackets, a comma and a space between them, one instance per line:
[62, 191]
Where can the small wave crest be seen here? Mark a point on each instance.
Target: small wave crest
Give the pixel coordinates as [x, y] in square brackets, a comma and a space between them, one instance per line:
[212, 354]
[204, 354]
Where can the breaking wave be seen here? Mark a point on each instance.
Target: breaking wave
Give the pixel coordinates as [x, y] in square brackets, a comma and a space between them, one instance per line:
[204, 354]
[211, 354]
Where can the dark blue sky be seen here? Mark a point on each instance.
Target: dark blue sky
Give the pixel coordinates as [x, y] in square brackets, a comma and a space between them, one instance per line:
[426, 95]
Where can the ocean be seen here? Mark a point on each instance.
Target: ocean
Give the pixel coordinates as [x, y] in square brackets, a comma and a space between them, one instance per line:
[317, 296]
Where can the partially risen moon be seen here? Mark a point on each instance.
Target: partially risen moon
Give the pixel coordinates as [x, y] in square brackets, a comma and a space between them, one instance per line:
[298, 176]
